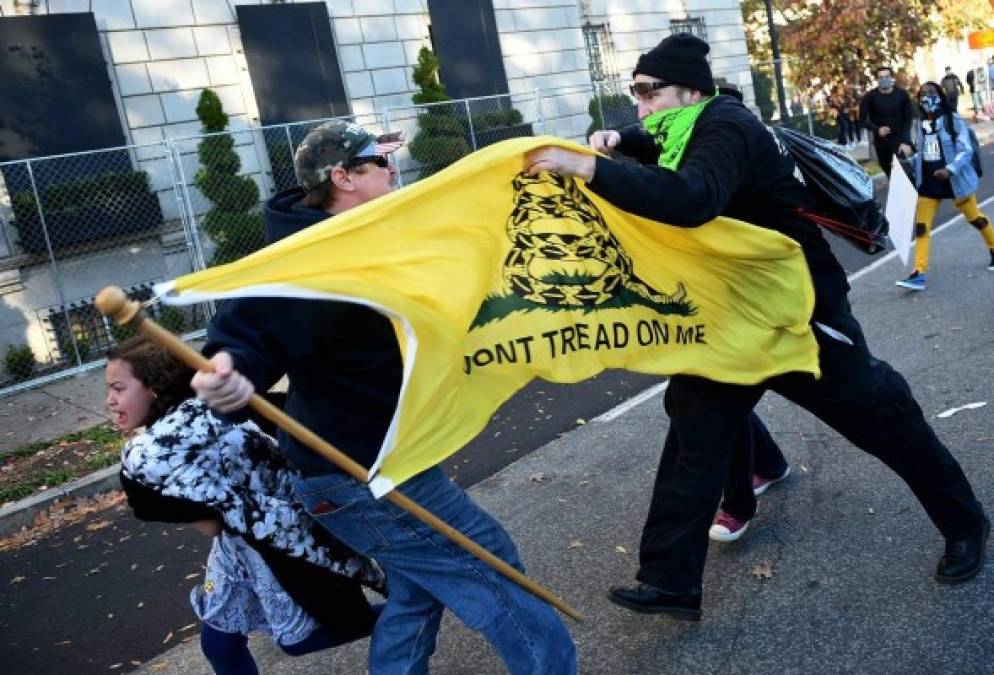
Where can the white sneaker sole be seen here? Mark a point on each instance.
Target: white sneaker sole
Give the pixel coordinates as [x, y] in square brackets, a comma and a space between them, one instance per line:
[766, 486]
[721, 533]
[910, 287]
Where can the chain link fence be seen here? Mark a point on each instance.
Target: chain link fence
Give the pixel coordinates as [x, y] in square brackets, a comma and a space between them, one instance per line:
[140, 214]
[831, 115]
[72, 224]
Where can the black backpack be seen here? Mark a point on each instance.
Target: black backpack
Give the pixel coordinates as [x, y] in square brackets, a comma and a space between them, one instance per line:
[840, 188]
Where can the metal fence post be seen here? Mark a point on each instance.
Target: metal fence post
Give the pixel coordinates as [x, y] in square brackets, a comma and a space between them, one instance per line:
[811, 128]
[600, 104]
[398, 175]
[55, 266]
[289, 140]
[469, 120]
[197, 252]
[184, 217]
[541, 115]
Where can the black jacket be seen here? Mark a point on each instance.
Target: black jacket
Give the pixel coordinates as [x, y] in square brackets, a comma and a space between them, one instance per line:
[342, 359]
[892, 110]
[733, 166]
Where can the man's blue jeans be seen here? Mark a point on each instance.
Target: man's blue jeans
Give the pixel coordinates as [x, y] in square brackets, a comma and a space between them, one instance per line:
[426, 573]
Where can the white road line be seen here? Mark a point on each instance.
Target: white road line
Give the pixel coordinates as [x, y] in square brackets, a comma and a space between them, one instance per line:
[654, 390]
[622, 408]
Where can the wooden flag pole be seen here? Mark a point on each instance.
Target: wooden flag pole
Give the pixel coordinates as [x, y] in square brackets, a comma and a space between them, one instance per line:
[113, 303]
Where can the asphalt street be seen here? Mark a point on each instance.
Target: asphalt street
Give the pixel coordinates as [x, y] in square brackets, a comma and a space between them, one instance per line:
[110, 593]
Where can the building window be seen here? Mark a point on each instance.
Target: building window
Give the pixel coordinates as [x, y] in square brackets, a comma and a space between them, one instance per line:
[600, 53]
[93, 332]
[693, 25]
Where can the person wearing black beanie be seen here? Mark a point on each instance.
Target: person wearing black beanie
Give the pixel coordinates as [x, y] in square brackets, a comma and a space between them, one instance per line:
[700, 156]
[680, 59]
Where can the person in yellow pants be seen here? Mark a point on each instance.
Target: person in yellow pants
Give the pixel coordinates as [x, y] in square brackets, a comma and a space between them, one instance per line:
[943, 169]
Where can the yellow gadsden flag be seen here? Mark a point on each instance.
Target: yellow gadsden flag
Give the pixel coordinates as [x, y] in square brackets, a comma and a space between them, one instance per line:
[493, 278]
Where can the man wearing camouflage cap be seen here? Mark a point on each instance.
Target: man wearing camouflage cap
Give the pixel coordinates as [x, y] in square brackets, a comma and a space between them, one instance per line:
[345, 369]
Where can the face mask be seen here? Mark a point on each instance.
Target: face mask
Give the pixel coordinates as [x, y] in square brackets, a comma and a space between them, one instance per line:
[885, 82]
[931, 103]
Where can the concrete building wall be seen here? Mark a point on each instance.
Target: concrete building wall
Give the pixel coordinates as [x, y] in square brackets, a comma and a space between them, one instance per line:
[160, 54]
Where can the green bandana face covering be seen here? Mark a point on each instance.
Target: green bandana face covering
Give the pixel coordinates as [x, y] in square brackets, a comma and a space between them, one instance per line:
[670, 129]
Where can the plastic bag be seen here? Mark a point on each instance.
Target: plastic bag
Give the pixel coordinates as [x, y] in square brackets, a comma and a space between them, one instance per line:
[841, 189]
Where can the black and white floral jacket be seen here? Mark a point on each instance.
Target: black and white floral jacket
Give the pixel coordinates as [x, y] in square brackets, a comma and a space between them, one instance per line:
[236, 470]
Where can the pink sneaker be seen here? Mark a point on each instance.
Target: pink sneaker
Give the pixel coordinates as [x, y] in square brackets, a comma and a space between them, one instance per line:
[761, 485]
[727, 527]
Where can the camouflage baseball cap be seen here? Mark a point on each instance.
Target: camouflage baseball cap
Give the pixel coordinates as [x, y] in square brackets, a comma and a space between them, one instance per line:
[327, 146]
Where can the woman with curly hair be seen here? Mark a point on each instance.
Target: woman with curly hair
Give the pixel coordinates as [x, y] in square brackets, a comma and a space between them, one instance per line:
[271, 568]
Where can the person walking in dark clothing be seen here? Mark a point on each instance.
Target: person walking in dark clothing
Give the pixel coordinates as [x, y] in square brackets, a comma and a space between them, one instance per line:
[886, 111]
[976, 97]
[717, 159]
[841, 104]
[953, 87]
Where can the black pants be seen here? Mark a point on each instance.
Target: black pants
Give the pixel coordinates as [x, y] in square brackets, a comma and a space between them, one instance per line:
[846, 133]
[859, 396]
[755, 453]
[885, 154]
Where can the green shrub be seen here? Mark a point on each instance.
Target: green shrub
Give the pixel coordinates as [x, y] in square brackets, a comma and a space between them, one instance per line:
[605, 103]
[210, 112]
[234, 234]
[19, 361]
[121, 333]
[443, 135]
[68, 351]
[497, 119]
[171, 318]
[70, 197]
[426, 77]
[236, 231]
[440, 121]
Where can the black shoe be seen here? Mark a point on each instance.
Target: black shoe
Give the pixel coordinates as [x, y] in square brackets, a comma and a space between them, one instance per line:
[964, 557]
[647, 599]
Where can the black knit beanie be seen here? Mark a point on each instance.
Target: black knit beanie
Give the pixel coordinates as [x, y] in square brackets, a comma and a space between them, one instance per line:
[679, 59]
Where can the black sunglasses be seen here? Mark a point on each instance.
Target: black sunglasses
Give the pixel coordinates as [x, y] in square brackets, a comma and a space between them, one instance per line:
[645, 88]
[378, 160]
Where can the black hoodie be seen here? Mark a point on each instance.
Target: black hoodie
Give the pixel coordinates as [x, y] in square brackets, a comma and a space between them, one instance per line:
[342, 359]
[733, 166]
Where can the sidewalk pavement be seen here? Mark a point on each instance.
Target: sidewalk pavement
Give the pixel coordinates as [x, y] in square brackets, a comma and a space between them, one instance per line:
[835, 574]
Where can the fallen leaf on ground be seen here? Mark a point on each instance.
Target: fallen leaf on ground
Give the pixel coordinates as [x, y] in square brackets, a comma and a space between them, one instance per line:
[99, 525]
[192, 576]
[576, 543]
[16, 580]
[537, 477]
[168, 638]
[762, 571]
[961, 408]
[620, 549]
[187, 627]
[60, 514]
[580, 420]
[160, 666]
